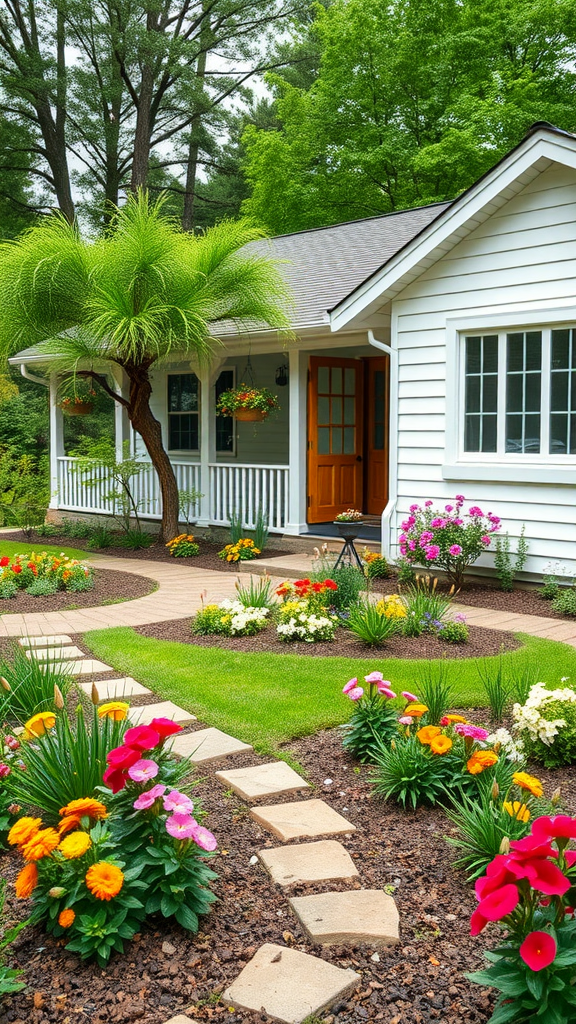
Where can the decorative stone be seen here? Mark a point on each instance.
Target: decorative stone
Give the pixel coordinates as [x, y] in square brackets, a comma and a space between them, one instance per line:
[306, 818]
[54, 653]
[144, 714]
[288, 985]
[325, 861]
[208, 745]
[84, 667]
[263, 780]
[45, 641]
[181, 1019]
[114, 689]
[360, 916]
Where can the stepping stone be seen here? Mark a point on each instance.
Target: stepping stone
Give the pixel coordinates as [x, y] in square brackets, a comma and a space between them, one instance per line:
[263, 780]
[288, 985]
[361, 916]
[181, 1019]
[45, 641]
[208, 745]
[306, 818]
[85, 667]
[326, 861]
[54, 653]
[113, 689]
[144, 714]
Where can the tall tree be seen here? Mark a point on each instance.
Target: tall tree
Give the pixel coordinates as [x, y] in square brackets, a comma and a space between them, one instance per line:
[143, 291]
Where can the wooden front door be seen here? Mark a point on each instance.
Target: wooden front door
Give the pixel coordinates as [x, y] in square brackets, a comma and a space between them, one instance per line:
[377, 416]
[335, 437]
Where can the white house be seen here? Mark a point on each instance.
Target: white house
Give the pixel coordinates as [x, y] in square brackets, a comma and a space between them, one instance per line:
[435, 353]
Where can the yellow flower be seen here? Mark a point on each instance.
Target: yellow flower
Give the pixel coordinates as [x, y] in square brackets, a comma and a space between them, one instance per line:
[66, 918]
[427, 733]
[517, 810]
[455, 719]
[85, 806]
[440, 744]
[75, 845]
[38, 724]
[115, 709]
[104, 880]
[529, 782]
[23, 830]
[415, 710]
[26, 881]
[41, 844]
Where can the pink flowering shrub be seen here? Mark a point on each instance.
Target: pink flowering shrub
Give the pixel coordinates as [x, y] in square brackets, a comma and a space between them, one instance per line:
[451, 539]
[374, 721]
[530, 891]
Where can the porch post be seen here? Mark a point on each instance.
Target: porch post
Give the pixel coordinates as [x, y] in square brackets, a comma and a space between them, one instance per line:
[207, 376]
[121, 422]
[298, 440]
[56, 440]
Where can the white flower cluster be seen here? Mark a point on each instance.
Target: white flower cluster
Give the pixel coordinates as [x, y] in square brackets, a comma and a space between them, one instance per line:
[242, 619]
[513, 749]
[529, 717]
[308, 626]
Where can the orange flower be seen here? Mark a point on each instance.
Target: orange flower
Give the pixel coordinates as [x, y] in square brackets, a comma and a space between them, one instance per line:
[517, 810]
[529, 782]
[85, 807]
[455, 719]
[104, 880]
[23, 830]
[68, 824]
[415, 710]
[75, 845]
[427, 733]
[66, 918]
[41, 844]
[440, 744]
[38, 724]
[26, 881]
[480, 760]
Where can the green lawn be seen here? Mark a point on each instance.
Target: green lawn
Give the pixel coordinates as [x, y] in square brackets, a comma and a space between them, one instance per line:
[12, 547]
[267, 699]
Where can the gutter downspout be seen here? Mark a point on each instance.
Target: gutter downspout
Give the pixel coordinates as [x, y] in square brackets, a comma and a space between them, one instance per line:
[386, 527]
[32, 376]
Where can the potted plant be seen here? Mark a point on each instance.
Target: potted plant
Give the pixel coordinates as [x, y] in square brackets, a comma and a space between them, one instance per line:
[247, 403]
[78, 398]
[348, 522]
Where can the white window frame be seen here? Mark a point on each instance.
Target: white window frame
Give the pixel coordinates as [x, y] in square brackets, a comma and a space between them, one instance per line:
[228, 453]
[183, 451]
[502, 466]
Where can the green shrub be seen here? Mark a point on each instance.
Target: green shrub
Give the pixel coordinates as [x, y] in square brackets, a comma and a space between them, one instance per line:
[565, 601]
[8, 589]
[48, 530]
[183, 546]
[42, 588]
[368, 624]
[506, 568]
[136, 540]
[76, 528]
[435, 690]
[405, 572]
[375, 565]
[350, 581]
[230, 618]
[8, 976]
[32, 683]
[454, 632]
[101, 537]
[425, 607]
[550, 588]
[208, 621]
[407, 773]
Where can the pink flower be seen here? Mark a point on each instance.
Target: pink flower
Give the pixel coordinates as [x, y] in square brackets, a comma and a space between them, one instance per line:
[141, 737]
[412, 545]
[460, 617]
[561, 826]
[460, 498]
[432, 552]
[500, 903]
[402, 538]
[350, 685]
[472, 731]
[384, 688]
[181, 826]
[485, 540]
[147, 799]
[11, 742]
[409, 697]
[405, 720]
[178, 803]
[414, 508]
[475, 511]
[165, 727]
[437, 523]
[457, 522]
[428, 503]
[455, 550]
[143, 771]
[375, 677]
[538, 950]
[204, 839]
[5, 770]
[449, 508]
[356, 693]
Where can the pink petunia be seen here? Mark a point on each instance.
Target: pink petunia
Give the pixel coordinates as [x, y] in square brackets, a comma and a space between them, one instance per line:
[449, 508]
[143, 771]
[475, 511]
[178, 803]
[538, 950]
[204, 839]
[350, 685]
[485, 540]
[460, 498]
[474, 732]
[374, 677]
[409, 697]
[181, 826]
[412, 545]
[149, 798]
[428, 503]
[405, 720]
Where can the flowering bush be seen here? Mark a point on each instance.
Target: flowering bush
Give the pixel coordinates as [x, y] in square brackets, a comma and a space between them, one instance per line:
[450, 539]
[546, 724]
[246, 397]
[375, 565]
[230, 618]
[351, 515]
[530, 890]
[297, 622]
[392, 606]
[455, 631]
[374, 720]
[23, 571]
[242, 551]
[183, 546]
[317, 595]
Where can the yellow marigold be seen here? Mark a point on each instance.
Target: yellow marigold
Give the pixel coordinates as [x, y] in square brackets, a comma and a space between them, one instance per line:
[87, 807]
[26, 881]
[75, 845]
[529, 782]
[440, 744]
[456, 719]
[517, 810]
[23, 830]
[480, 760]
[427, 733]
[41, 844]
[66, 918]
[38, 724]
[104, 880]
[115, 709]
[415, 710]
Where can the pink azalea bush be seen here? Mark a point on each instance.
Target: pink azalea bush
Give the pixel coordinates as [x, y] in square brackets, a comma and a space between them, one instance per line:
[530, 891]
[449, 539]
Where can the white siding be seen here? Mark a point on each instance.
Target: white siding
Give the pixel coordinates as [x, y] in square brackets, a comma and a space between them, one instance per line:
[522, 258]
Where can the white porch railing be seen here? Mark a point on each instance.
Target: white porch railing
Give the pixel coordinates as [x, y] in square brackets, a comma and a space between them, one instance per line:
[232, 488]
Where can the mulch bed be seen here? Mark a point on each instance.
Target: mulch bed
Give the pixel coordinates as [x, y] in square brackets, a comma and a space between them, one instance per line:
[109, 587]
[482, 642]
[482, 595]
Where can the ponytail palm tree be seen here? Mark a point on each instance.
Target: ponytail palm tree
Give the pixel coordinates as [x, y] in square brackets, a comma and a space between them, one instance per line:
[132, 298]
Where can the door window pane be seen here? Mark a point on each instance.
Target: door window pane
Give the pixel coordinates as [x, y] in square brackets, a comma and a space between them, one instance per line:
[481, 393]
[183, 394]
[323, 410]
[336, 410]
[324, 440]
[349, 441]
[523, 391]
[349, 381]
[349, 410]
[336, 441]
[563, 393]
[323, 380]
[336, 381]
[224, 424]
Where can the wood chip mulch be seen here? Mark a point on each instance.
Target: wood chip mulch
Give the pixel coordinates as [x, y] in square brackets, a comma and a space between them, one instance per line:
[110, 586]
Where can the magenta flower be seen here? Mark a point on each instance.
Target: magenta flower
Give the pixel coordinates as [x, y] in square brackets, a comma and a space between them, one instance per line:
[204, 839]
[412, 545]
[405, 720]
[457, 522]
[432, 552]
[356, 693]
[475, 511]
[437, 523]
[402, 538]
[5, 770]
[428, 503]
[178, 803]
[455, 550]
[409, 697]
[485, 540]
[350, 685]
[181, 826]
[460, 617]
[374, 677]
[472, 731]
[449, 508]
[414, 508]
[148, 798]
[538, 950]
[385, 690]
[143, 771]
[460, 498]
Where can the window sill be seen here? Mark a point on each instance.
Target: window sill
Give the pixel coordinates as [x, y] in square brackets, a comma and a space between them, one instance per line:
[531, 473]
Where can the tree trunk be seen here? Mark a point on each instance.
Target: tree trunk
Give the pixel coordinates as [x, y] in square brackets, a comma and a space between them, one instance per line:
[193, 149]
[143, 420]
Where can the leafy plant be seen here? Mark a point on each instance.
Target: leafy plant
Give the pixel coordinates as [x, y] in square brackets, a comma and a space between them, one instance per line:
[24, 495]
[42, 588]
[483, 822]
[425, 607]
[374, 722]
[8, 976]
[550, 588]
[454, 632]
[76, 528]
[136, 540]
[247, 396]
[183, 546]
[375, 565]
[497, 687]
[236, 527]
[188, 501]
[230, 618]
[368, 624]
[32, 683]
[435, 690]
[48, 530]
[350, 582]
[98, 463]
[522, 676]
[101, 537]
[565, 601]
[261, 530]
[8, 589]
[406, 773]
[449, 538]
[546, 724]
[506, 569]
[405, 571]
[257, 593]
[244, 550]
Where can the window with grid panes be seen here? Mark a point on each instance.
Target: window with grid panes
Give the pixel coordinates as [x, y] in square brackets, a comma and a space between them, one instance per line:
[183, 408]
[225, 424]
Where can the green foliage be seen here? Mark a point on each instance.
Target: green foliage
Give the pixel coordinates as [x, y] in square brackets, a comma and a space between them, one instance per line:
[8, 976]
[45, 587]
[482, 823]
[550, 588]
[183, 546]
[96, 460]
[563, 750]
[48, 530]
[436, 690]
[230, 618]
[370, 625]
[425, 607]
[454, 632]
[376, 568]
[32, 683]
[24, 494]
[374, 723]
[506, 569]
[350, 582]
[101, 537]
[188, 504]
[8, 589]
[256, 594]
[409, 775]
[236, 528]
[565, 601]
[521, 677]
[260, 537]
[405, 572]
[497, 687]
[136, 540]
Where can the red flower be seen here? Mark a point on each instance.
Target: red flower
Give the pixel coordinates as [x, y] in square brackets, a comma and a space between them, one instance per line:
[570, 858]
[330, 585]
[497, 875]
[538, 950]
[16, 568]
[4, 561]
[318, 588]
[142, 737]
[559, 827]
[531, 846]
[122, 758]
[302, 583]
[543, 876]
[477, 922]
[499, 903]
[165, 727]
[114, 779]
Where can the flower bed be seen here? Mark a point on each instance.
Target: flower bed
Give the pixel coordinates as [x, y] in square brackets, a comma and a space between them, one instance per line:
[43, 574]
[108, 587]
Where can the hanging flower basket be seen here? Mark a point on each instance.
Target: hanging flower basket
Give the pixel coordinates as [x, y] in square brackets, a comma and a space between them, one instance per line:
[76, 407]
[247, 403]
